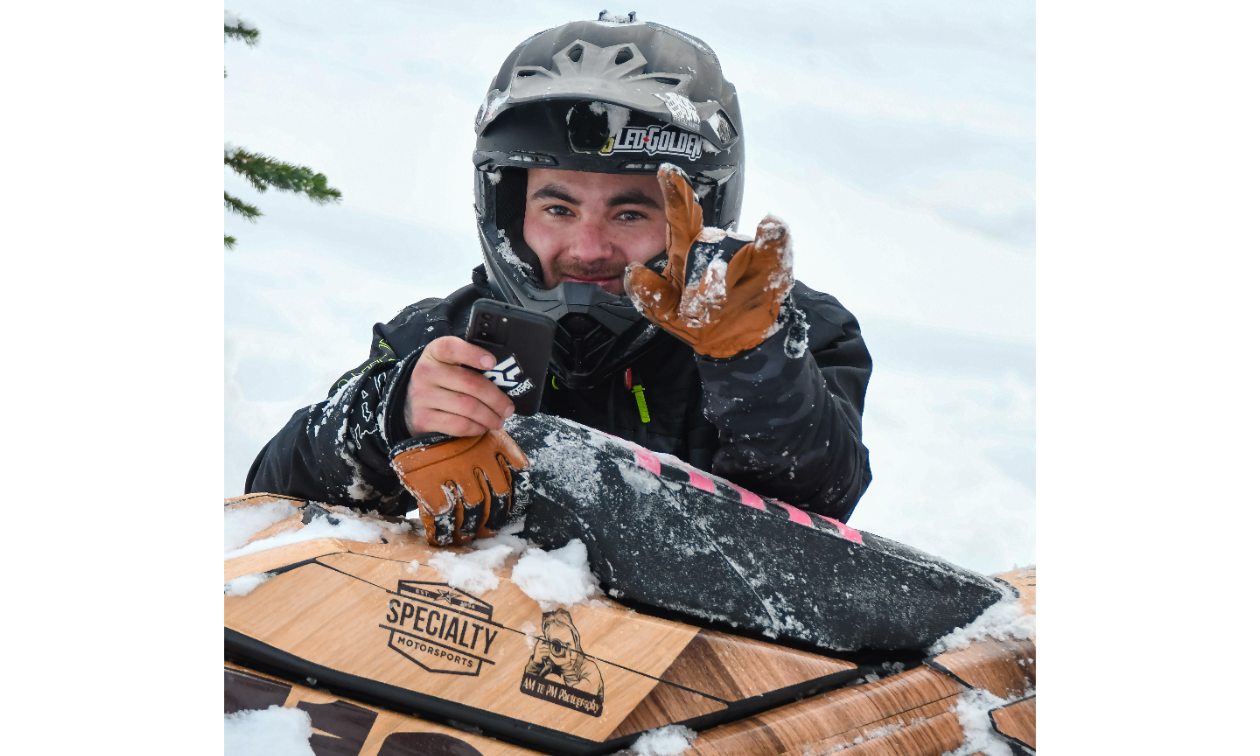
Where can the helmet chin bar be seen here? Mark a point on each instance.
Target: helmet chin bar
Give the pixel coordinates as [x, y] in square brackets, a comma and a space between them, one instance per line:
[609, 310]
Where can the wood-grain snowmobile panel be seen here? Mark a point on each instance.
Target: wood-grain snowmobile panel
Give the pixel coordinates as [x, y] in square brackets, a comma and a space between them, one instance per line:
[836, 718]
[352, 728]
[257, 499]
[610, 633]
[351, 626]
[284, 526]
[1024, 581]
[275, 559]
[733, 668]
[928, 737]
[1017, 721]
[327, 610]
[397, 624]
[1005, 668]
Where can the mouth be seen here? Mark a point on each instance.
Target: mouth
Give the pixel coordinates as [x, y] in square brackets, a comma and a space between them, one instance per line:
[610, 284]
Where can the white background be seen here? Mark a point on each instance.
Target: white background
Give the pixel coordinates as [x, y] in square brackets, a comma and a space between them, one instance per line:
[897, 141]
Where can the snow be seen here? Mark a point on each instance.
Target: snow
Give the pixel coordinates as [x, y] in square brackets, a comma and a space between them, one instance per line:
[670, 740]
[639, 479]
[231, 19]
[529, 634]
[711, 235]
[241, 523]
[245, 584]
[505, 251]
[972, 709]
[472, 572]
[715, 283]
[557, 578]
[507, 536]
[348, 528]
[878, 732]
[618, 116]
[1005, 620]
[573, 464]
[274, 731]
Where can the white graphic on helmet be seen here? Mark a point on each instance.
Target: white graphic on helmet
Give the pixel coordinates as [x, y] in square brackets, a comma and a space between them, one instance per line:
[505, 376]
[654, 140]
[680, 107]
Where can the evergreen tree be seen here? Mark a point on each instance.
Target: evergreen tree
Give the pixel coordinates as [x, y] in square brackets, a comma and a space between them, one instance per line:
[259, 170]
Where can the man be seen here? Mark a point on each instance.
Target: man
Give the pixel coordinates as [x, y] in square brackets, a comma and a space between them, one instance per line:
[609, 172]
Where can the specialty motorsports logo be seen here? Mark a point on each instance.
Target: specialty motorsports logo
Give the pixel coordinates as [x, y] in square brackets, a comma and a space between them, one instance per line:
[440, 628]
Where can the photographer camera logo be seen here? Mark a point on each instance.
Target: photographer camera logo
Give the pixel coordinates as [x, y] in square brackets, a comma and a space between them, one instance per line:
[559, 672]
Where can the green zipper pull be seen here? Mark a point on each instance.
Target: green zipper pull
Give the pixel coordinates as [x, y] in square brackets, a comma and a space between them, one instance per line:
[637, 388]
[638, 397]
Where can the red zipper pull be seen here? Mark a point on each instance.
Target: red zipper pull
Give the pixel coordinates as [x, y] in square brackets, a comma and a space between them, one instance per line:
[628, 379]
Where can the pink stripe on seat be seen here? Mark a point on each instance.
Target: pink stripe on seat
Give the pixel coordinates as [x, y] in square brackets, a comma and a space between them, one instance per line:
[846, 532]
[749, 498]
[796, 515]
[700, 481]
[647, 460]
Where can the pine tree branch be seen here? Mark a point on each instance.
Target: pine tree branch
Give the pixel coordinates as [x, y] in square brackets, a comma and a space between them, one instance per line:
[235, 27]
[262, 172]
[243, 209]
[229, 241]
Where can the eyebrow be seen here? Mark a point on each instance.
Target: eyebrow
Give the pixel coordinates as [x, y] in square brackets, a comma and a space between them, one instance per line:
[631, 197]
[554, 191]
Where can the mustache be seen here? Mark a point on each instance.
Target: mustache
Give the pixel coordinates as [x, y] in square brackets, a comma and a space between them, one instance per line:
[592, 269]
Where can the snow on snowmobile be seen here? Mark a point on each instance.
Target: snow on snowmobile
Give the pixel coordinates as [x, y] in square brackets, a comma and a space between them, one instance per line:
[759, 627]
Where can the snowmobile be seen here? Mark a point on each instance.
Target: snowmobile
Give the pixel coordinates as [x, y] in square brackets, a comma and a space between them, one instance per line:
[761, 628]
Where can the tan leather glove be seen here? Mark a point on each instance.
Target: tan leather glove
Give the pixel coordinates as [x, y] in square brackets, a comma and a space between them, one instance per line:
[463, 485]
[719, 292]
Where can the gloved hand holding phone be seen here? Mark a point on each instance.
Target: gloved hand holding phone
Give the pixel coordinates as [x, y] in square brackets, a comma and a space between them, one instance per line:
[459, 462]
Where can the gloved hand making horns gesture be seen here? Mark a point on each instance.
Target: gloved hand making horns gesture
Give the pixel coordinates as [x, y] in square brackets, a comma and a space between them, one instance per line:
[719, 292]
[463, 485]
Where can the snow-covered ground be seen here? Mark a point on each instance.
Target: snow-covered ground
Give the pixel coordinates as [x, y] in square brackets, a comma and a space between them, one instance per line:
[895, 139]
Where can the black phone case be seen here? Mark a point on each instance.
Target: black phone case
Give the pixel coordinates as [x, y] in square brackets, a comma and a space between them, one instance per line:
[520, 341]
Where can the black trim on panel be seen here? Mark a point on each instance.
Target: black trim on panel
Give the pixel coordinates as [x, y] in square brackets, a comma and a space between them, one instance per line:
[241, 649]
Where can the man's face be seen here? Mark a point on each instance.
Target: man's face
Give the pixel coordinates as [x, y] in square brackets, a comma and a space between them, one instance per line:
[587, 227]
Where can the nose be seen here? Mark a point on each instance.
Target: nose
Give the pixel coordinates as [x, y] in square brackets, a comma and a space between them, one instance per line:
[592, 241]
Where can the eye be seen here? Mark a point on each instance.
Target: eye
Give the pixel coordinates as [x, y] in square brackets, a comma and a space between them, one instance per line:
[630, 215]
[557, 210]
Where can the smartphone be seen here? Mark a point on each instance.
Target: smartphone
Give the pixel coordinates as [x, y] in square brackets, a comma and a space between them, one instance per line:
[520, 341]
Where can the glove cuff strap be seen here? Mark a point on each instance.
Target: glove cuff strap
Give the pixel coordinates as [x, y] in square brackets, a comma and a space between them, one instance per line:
[422, 441]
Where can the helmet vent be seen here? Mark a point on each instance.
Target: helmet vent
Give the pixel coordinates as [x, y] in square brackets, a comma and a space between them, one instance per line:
[523, 73]
[623, 55]
[575, 53]
[667, 80]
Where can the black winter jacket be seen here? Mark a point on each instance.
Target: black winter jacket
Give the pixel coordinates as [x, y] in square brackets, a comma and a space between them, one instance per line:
[783, 420]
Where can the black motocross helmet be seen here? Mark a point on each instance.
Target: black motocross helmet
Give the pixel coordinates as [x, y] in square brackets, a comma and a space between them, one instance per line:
[616, 95]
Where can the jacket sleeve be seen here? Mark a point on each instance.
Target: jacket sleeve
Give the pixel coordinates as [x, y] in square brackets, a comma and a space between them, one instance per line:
[337, 451]
[789, 412]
